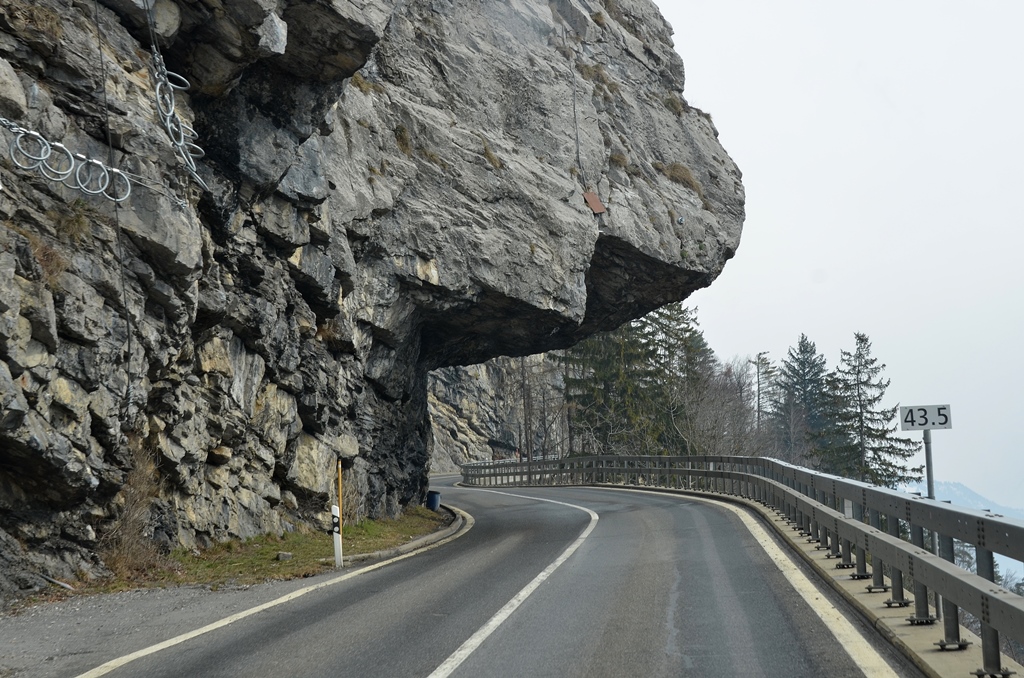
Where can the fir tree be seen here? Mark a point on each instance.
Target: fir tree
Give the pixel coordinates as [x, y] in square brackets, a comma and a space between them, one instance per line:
[799, 406]
[862, 441]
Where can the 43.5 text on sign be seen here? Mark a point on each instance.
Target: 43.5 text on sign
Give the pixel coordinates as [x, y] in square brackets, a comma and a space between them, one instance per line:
[920, 417]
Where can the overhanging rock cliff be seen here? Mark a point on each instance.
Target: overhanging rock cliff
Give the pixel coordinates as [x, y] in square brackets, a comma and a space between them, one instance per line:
[393, 187]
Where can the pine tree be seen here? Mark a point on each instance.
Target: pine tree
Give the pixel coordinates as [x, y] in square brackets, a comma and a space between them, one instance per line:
[609, 379]
[621, 386]
[862, 442]
[799, 407]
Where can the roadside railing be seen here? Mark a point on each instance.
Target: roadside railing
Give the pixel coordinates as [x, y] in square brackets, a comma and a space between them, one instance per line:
[865, 528]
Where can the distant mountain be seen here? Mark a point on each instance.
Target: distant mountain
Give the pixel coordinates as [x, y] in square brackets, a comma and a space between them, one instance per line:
[961, 495]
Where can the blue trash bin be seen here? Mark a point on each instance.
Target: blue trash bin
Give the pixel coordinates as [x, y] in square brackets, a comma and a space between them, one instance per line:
[433, 500]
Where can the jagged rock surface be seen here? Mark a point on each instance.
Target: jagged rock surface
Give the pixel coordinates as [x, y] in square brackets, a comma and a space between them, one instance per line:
[393, 188]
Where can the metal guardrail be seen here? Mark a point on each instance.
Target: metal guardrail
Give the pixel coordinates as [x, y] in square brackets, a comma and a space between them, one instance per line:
[859, 524]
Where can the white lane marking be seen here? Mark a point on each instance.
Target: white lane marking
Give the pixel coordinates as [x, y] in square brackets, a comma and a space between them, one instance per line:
[106, 668]
[849, 638]
[467, 648]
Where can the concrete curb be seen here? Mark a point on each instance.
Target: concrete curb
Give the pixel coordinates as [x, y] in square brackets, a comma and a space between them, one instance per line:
[457, 525]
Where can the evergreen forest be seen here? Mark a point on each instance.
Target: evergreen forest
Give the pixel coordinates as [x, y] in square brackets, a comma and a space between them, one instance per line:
[654, 386]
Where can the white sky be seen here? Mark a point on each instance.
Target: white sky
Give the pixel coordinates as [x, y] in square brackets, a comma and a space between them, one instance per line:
[882, 148]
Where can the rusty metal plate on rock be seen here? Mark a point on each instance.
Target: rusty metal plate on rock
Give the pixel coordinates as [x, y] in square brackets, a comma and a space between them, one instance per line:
[594, 203]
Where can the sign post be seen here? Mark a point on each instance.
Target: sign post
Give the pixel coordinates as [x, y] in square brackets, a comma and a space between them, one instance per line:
[925, 418]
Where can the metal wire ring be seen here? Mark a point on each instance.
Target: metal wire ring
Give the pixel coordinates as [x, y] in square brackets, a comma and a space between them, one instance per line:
[175, 130]
[195, 152]
[189, 132]
[165, 101]
[16, 148]
[177, 81]
[57, 172]
[119, 175]
[104, 175]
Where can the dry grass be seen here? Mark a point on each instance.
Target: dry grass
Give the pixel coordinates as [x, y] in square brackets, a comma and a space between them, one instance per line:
[676, 104]
[365, 86]
[75, 222]
[433, 157]
[599, 76]
[51, 261]
[125, 546]
[42, 20]
[682, 175]
[370, 536]
[489, 154]
[617, 159]
[403, 139]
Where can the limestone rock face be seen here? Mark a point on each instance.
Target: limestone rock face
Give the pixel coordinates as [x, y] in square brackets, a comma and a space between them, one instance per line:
[390, 188]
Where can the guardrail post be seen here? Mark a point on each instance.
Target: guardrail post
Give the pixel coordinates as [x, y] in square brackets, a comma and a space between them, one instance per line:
[877, 566]
[846, 560]
[815, 535]
[892, 524]
[862, 556]
[822, 529]
[989, 636]
[950, 614]
[921, 615]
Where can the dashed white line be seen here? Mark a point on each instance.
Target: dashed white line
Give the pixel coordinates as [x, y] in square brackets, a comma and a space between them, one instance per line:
[467, 648]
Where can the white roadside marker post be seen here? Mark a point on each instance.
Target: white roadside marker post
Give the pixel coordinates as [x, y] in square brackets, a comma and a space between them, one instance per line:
[336, 519]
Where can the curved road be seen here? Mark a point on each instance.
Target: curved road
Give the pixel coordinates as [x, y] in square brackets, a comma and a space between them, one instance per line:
[659, 585]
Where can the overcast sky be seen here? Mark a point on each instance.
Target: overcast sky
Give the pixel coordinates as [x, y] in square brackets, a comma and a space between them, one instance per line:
[882, 150]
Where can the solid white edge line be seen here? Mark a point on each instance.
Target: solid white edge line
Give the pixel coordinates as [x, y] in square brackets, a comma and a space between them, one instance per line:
[109, 666]
[852, 641]
[467, 648]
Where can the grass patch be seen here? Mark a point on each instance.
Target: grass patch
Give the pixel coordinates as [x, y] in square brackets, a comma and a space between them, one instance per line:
[403, 140]
[676, 104]
[490, 155]
[43, 20]
[681, 174]
[75, 221]
[617, 159]
[52, 262]
[255, 560]
[364, 85]
[433, 157]
[124, 546]
[378, 535]
[599, 76]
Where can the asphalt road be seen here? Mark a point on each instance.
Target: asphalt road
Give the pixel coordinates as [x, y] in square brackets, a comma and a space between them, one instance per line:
[661, 585]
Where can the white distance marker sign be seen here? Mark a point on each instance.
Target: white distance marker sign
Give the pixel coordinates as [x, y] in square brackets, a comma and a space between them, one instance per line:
[920, 417]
